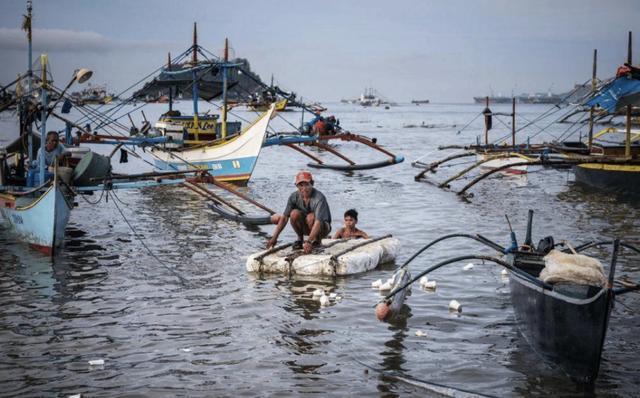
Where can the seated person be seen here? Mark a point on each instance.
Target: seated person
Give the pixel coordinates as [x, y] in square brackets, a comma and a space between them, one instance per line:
[52, 150]
[349, 231]
[309, 212]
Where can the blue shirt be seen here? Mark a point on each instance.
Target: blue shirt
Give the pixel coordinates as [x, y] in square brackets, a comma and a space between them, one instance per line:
[50, 156]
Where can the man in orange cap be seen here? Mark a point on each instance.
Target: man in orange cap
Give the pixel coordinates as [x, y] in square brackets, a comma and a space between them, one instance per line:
[309, 212]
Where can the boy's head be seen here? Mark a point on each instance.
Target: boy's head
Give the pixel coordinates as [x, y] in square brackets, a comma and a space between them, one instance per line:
[350, 217]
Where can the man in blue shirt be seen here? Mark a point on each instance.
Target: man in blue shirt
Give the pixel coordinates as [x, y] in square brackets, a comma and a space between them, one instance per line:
[52, 150]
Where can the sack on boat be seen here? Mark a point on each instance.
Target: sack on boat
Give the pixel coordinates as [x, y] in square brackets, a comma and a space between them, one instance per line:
[574, 268]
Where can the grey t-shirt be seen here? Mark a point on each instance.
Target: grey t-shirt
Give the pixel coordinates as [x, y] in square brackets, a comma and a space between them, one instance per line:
[49, 156]
[317, 205]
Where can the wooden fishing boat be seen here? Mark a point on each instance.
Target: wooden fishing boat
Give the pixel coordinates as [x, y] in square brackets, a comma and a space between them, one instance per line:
[281, 105]
[39, 216]
[334, 257]
[564, 318]
[227, 160]
[566, 324]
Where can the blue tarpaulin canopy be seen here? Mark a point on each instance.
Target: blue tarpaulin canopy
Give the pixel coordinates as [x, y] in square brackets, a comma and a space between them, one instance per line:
[622, 91]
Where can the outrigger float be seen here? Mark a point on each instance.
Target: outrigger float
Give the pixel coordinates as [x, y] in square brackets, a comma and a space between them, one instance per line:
[601, 160]
[334, 257]
[562, 301]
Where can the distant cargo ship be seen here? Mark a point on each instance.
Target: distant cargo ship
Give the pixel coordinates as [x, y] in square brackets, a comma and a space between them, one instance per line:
[418, 102]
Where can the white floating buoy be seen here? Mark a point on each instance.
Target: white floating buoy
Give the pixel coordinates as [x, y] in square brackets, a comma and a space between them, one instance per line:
[468, 267]
[376, 284]
[318, 292]
[386, 286]
[96, 362]
[420, 333]
[454, 305]
[431, 285]
[504, 272]
[324, 300]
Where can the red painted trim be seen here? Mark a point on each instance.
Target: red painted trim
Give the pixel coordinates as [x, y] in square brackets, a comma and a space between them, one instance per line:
[48, 250]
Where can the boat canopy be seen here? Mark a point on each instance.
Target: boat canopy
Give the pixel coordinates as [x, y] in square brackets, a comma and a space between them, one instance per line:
[181, 78]
[622, 91]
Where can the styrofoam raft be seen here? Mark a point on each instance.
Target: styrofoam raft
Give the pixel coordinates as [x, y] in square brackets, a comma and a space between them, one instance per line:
[361, 259]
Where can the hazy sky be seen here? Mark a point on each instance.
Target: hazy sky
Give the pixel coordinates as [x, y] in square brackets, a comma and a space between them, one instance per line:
[445, 51]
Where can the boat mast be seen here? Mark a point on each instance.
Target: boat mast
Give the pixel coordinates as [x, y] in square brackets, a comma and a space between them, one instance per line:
[224, 88]
[27, 27]
[513, 122]
[627, 141]
[194, 93]
[43, 120]
[170, 87]
[593, 90]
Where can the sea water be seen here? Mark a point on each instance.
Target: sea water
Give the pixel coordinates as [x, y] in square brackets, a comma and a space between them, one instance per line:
[153, 283]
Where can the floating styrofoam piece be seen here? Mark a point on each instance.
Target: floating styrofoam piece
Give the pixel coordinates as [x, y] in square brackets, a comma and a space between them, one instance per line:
[423, 280]
[386, 286]
[324, 300]
[376, 284]
[323, 262]
[318, 293]
[420, 333]
[468, 267]
[455, 306]
[504, 273]
[338, 298]
[186, 349]
[96, 362]
[431, 285]
[333, 295]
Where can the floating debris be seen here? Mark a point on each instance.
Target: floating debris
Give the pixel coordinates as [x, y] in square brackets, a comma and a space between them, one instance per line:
[420, 333]
[318, 293]
[324, 300]
[96, 362]
[504, 273]
[376, 284]
[455, 306]
[468, 267]
[430, 285]
[333, 295]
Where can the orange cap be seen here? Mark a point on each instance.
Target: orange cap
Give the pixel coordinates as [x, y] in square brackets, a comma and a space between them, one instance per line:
[304, 176]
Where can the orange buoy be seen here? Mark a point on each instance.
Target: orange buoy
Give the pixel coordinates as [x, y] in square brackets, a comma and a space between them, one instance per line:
[382, 310]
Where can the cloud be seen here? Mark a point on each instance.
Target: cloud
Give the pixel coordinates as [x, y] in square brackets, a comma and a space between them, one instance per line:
[70, 41]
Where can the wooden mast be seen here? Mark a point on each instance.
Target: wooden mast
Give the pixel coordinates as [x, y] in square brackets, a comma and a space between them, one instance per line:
[224, 89]
[627, 141]
[194, 93]
[513, 122]
[170, 87]
[593, 90]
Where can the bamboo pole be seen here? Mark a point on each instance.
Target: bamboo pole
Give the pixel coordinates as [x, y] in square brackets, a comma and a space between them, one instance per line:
[593, 90]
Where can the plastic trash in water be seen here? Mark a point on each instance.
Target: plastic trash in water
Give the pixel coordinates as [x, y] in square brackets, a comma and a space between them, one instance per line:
[420, 333]
[96, 362]
[333, 295]
[386, 286]
[430, 285]
[423, 280]
[318, 292]
[455, 306]
[468, 267]
[324, 300]
[186, 349]
[74, 396]
[376, 284]
[504, 273]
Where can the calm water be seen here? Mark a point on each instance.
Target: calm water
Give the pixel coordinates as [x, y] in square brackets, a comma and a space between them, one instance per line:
[190, 321]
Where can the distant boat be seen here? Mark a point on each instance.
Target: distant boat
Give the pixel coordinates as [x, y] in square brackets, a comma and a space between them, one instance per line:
[371, 97]
[493, 99]
[419, 102]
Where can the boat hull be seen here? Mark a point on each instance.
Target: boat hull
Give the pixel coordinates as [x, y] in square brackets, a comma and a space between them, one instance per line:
[609, 177]
[232, 161]
[567, 331]
[500, 162]
[40, 220]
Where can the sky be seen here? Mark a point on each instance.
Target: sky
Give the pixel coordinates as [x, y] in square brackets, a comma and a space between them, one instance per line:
[441, 50]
